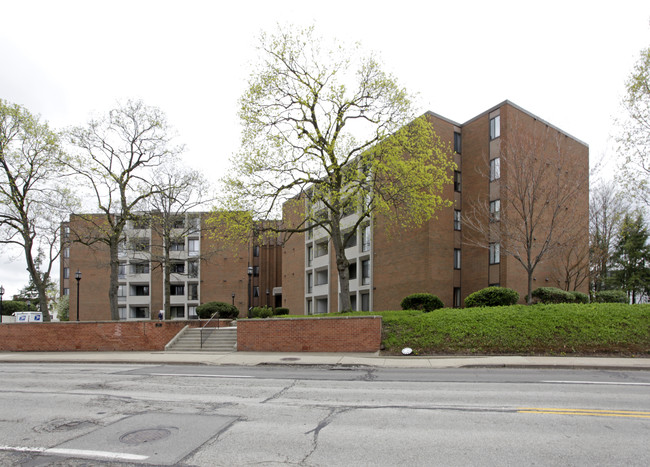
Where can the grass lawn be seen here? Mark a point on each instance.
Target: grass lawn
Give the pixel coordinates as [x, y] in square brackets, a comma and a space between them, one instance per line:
[563, 329]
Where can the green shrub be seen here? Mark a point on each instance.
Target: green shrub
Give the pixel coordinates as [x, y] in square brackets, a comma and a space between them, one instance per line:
[492, 296]
[261, 312]
[579, 297]
[226, 310]
[611, 296]
[552, 295]
[421, 301]
[281, 311]
[11, 306]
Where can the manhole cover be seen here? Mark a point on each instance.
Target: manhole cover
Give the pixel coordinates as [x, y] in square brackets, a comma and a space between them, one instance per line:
[290, 359]
[145, 436]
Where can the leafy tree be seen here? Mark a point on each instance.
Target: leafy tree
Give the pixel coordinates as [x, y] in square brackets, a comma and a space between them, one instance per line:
[631, 257]
[62, 308]
[634, 138]
[316, 127]
[32, 202]
[115, 156]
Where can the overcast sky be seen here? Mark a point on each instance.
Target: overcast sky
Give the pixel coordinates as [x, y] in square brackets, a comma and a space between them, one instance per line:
[565, 61]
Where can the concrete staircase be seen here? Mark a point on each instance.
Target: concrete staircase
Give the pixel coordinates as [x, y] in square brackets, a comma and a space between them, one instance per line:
[214, 340]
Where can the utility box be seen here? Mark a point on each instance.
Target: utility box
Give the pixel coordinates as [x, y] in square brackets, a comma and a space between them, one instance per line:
[28, 316]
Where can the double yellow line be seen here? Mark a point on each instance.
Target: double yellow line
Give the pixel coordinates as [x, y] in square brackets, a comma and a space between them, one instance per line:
[589, 412]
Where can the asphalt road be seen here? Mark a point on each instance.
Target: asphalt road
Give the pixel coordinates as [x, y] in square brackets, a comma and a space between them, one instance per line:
[78, 414]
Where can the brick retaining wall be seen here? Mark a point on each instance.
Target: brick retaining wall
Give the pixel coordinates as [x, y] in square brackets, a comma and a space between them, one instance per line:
[341, 334]
[91, 336]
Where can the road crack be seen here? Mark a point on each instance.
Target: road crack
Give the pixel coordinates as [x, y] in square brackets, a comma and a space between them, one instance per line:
[281, 392]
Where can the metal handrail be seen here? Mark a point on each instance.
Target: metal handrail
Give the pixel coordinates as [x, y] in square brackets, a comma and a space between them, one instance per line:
[216, 313]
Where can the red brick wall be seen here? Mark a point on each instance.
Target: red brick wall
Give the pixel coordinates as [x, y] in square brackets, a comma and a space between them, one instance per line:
[84, 336]
[349, 334]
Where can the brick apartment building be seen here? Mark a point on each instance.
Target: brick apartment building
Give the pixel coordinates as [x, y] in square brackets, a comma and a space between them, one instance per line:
[201, 271]
[443, 257]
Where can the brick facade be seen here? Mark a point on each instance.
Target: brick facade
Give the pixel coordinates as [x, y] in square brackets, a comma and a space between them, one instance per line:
[346, 334]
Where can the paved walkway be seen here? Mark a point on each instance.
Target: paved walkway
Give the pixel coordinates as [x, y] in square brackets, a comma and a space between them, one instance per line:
[343, 359]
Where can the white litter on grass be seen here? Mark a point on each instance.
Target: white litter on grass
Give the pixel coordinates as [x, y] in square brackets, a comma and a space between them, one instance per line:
[407, 351]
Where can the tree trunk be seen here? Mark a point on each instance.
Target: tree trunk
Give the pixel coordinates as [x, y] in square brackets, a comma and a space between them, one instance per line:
[529, 296]
[342, 267]
[35, 275]
[167, 279]
[115, 266]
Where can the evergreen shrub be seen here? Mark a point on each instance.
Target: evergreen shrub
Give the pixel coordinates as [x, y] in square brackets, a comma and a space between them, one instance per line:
[421, 301]
[548, 295]
[226, 310]
[611, 296]
[492, 296]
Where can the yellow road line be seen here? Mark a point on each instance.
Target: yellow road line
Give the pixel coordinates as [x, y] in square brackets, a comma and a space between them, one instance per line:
[590, 412]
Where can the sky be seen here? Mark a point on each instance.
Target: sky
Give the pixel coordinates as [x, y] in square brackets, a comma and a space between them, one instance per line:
[564, 61]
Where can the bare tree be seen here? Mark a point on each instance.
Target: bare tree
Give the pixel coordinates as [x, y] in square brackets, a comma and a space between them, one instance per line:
[606, 212]
[115, 156]
[179, 193]
[316, 128]
[538, 188]
[571, 266]
[32, 203]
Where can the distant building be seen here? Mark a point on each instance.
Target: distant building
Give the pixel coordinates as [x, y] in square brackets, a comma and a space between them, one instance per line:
[201, 271]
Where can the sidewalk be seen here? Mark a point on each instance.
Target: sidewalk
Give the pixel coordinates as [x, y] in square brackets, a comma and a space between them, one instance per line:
[327, 359]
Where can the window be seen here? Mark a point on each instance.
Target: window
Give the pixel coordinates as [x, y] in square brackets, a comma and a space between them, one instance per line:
[256, 251]
[192, 291]
[140, 244]
[66, 291]
[140, 223]
[352, 270]
[66, 231]
[193, 247]
[322, 277]
[256, 291]
[310, 255]
[177, 289]
[457, 142]
[178, 223]
[457, 301]
[177, 245]
[66, 273]
[121, 291]
[456, 219]
[66, 252]
[365, 238]
[139, 268]
[365, 272]
[140, 290]
[139, 312]
[456, 258]
[457, 180]
[350, 239]
[310, 308]
[194, 224]
[353, 302]
[177, 312]
[122, 312]
[321, 249]
[121, 270]
[177, 268]
[365, 302]
[495, 127]
[495, 169]
[495, 210]
[193, 268]
[191, 311]
[310, 282]
[495, 253]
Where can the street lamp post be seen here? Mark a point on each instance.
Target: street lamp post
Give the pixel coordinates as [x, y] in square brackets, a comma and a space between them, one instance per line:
[250, 275]
[77, 276]
[2, 292]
